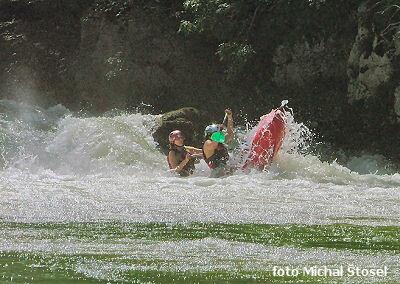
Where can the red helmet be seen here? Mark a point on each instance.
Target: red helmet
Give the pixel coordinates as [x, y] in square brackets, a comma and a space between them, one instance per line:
[176, 134]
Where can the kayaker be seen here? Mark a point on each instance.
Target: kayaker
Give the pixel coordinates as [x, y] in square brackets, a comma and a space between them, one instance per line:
[180, 157]
[215, 152]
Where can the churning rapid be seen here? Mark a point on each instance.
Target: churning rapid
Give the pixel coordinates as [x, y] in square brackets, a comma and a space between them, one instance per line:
[91, 198]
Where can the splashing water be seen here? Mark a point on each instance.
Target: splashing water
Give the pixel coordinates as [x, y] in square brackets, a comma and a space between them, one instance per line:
[90, 198]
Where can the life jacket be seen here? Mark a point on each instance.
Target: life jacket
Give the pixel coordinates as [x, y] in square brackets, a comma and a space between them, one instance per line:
[180, 155]
[219, 158]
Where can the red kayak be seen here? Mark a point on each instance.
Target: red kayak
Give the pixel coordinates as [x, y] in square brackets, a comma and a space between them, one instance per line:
[267, 140]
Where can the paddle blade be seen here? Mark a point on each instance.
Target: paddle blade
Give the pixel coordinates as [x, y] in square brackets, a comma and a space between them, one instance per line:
[284, 102]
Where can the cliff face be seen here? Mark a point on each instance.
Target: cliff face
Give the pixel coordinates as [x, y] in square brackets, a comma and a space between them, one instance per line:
[138, 57]
[373, 83]
[94, 57]
[342, 79]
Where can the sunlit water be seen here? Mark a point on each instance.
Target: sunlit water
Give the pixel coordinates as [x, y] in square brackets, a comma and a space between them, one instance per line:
[91, 199]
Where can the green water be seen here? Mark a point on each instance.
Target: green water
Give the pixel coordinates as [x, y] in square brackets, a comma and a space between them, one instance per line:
[134, 253]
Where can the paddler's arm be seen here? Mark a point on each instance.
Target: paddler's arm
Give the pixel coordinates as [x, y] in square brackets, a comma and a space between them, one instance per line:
[209, 148]
[175, 166]
[229, 128]
[194, 151]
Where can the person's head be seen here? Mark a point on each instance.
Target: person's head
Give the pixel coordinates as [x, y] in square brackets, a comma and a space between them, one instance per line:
[213, 132]
[176, 138]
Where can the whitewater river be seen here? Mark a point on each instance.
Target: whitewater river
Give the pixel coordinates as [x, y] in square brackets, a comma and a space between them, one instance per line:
[89, 199]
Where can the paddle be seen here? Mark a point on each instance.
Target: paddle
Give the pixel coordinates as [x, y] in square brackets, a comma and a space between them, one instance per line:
[219, 137]
[225, 121]
[283, 104]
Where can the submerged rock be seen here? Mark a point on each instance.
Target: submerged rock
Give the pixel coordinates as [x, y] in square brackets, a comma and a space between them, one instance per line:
[188, 120]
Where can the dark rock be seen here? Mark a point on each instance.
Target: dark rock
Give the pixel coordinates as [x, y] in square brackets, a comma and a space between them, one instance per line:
[188, 120]
[368, 72]
[123, 61]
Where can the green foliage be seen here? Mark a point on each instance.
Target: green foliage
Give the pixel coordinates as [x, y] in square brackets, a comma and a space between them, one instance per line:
[121, 8]
[226, 22]
[213, 17]
[111, 8]
[244, 29]
[235, 56]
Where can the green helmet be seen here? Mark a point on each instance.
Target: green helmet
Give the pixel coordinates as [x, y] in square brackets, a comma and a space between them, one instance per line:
[218, 137]
[213, 131]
